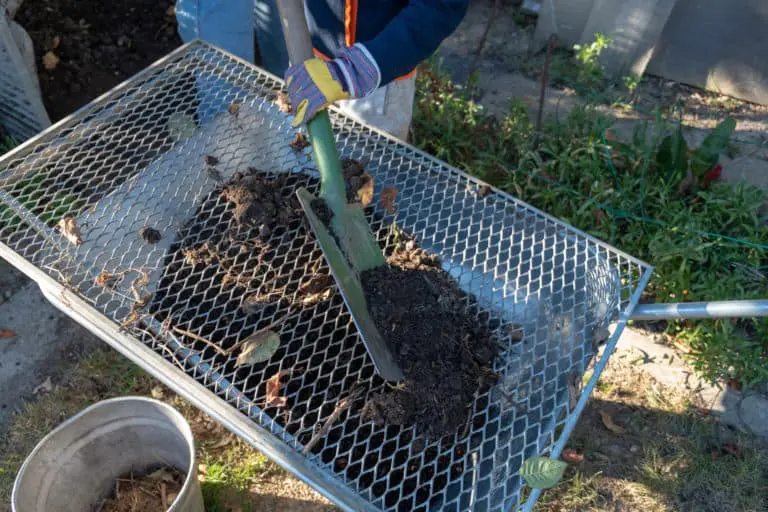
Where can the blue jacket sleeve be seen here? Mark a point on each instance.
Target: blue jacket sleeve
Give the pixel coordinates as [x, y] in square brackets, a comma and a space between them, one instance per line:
[414, 35]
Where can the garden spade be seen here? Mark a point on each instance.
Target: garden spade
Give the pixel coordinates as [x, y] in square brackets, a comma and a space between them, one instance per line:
[357, 249]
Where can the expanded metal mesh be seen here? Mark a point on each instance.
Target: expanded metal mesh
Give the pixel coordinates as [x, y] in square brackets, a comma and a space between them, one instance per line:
[141, 157]
[21, 109]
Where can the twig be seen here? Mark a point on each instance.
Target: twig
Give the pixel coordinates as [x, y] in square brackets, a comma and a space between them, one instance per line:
[341, 406]
[200, 338]
[484, 37]
[542, 94]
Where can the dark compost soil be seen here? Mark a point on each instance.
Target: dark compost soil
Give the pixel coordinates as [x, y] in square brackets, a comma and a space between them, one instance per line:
[445, 354]
[100, 44]
[247, 262]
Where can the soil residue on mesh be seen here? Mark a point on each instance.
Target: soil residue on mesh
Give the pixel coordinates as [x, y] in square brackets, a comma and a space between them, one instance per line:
[153, 492]
[259, 201]
[445, 353]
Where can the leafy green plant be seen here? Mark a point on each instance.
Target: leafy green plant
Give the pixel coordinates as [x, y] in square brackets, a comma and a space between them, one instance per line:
[582, 70]
[706, 243]
[631, 82]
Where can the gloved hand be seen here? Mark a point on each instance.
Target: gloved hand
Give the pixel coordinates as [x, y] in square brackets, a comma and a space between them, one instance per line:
[315, 83]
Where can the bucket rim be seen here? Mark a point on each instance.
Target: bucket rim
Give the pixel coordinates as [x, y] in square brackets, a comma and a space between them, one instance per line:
[183, 426]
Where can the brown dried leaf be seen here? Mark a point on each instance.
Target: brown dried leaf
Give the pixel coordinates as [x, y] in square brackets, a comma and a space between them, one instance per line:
[50, 61]
[71, 231]
[56, 42]
[317, 283]
[610, 425]
[171, 11]
[283, 103]
[107, 280]
[5, 334]
[351, 167]
[299, 142]
[365, 192]
[273, 390]
[572, 457]
[387, 199]
[234, 108]
[483, 191]
[316, 297]
[211, 160]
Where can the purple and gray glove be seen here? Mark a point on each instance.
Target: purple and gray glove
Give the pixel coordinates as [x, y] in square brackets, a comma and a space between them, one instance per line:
[315, 83]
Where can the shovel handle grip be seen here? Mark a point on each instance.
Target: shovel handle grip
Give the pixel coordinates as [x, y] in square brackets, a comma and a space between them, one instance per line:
[295, 30]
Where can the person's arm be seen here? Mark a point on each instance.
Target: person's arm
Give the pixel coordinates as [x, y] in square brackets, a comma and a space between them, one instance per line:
[414, 35]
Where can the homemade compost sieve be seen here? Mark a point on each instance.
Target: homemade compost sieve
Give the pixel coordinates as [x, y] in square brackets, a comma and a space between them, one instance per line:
[160, 271]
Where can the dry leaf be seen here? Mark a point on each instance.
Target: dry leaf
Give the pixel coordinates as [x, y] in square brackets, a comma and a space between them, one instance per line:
[56, 42]
[283, 103]
[210, 160]
[610, 425]
[365, 192]
[387, 199]
[45, 387]
[273, 390]
[71, 231]
[258, 348]
[317, 283]
[171, 11]
[107, 280]
[234, 108]
[162, 475]
[5, 334]
[483, 191]
[50, 61]
[314, 298]
[572, 457]
[299, 142]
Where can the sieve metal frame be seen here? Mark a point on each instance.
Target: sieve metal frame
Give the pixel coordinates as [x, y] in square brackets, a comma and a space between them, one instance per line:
[206, 399]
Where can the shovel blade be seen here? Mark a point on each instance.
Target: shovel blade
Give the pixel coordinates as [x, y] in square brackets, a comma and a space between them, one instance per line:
[352, 293]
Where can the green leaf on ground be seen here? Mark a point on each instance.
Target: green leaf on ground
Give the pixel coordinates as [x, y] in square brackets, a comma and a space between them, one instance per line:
[707, 155]
[542, 472]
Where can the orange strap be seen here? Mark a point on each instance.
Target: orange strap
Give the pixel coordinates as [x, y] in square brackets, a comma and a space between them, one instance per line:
[350, 31]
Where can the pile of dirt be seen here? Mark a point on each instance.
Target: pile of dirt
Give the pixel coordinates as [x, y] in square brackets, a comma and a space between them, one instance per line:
[259, 201]
[444, 352]
[153, 492]
[98, 44]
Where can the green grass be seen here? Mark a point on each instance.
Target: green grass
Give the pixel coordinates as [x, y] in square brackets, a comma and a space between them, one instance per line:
[664, 460]
[706, 244]
[232, 472]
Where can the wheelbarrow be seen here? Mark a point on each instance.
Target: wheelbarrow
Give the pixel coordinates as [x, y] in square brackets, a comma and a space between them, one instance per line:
[118, 213]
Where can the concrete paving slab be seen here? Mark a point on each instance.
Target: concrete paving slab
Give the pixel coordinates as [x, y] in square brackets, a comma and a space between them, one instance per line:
[46, 344]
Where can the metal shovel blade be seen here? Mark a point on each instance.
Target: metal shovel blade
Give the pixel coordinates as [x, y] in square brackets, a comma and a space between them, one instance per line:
[352, 293]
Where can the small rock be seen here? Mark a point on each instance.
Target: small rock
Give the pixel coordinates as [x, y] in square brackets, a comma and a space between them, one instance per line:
[754, 414]
[157, 393]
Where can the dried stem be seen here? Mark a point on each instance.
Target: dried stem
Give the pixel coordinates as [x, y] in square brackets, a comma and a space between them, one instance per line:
[200, 338]
[542, 94]
[341, 406]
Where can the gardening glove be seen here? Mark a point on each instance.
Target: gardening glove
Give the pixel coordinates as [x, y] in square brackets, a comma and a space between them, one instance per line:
[315, 83]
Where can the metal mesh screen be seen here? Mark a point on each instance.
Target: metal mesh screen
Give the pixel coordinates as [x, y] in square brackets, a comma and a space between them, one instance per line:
[141, 157]
[21, 109]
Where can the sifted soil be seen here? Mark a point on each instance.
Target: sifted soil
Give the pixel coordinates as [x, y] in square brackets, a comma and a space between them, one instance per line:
[149, 493]
[445, 353]
[100, 44]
